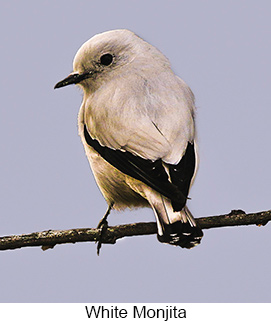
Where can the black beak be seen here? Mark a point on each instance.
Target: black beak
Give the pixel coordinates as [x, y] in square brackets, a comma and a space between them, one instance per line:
[73, 78]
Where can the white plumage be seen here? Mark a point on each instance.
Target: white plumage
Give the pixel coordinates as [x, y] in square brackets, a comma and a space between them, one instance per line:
[134, 105]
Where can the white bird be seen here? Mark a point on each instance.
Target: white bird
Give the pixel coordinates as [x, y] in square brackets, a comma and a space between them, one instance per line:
[137, 126]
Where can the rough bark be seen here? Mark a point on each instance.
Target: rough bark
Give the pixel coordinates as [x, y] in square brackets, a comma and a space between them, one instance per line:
[48, 239]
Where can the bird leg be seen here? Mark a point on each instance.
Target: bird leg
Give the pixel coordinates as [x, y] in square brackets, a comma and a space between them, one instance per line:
[103, 225]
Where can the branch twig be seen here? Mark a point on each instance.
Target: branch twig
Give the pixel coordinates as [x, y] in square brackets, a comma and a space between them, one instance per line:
[48, 239]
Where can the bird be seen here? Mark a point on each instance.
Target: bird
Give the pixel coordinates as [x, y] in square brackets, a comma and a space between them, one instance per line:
[137, 126]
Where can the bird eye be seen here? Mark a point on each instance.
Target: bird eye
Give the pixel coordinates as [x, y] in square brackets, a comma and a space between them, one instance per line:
[106, 59]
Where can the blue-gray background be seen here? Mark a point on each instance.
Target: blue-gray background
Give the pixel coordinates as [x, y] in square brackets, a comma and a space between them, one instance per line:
[222, 50]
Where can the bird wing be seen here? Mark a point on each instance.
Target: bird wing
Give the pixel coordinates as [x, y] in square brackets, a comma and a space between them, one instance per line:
[150, 172]
[145, 129]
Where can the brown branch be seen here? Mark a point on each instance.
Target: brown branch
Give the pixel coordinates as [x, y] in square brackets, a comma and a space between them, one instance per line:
[48, 239]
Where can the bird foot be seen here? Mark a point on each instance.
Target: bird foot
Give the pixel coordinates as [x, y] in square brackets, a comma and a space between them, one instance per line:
[103, 225]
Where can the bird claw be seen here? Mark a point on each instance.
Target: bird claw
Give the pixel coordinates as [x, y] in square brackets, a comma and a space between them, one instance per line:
[102, 226]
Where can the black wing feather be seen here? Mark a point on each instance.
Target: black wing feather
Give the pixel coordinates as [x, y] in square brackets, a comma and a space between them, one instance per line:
[151, 173]
[182, 173]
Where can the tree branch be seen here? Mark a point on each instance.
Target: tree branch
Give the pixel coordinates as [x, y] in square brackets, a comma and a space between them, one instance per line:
[48, 239]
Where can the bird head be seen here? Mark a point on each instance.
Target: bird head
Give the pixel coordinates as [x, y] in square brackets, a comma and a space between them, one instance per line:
[102, 56]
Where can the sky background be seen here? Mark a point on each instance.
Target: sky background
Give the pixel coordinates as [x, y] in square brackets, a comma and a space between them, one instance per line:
[222, 50]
